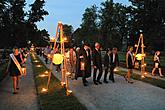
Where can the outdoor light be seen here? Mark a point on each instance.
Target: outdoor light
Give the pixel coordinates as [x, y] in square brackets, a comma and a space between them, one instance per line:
[63, 83]
[24, 71]
[36, 61]
[136, 45]
[68, 73]
[116, 69]
[142, 76]
[44, 90]
[43, 75]
[57, 59]
[139, 56]
[49, 56]
[82, 66]
[46, 72]
[69, 91]
[65, 38]
[38, 65]
[25, 59]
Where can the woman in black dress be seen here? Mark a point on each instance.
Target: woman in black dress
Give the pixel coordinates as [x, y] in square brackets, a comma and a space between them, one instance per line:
[157, 63]
[13, 70]
[130, 64]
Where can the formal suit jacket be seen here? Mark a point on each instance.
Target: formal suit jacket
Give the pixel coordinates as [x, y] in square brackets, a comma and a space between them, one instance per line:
[97, 58]
[87, 60]
[107, 60]
[116, 61]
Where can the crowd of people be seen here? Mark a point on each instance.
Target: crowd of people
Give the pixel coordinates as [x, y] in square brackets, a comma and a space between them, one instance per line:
[82, 62]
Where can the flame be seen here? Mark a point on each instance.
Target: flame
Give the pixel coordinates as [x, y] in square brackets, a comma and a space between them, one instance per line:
[142, 76]
[68, 73]
[38, 65]
[46, 72]
[44, 90]
[43, 75]
[116, 70]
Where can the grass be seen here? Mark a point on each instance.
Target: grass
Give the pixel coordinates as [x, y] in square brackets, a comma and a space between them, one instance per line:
[148, 59]
[153, 81]
[56, 98]
[3, 71]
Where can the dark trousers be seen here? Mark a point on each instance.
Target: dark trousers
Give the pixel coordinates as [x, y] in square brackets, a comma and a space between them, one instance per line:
[46, 60]
[99, 75]
[111, 76]
[83, 77]
[105, 74]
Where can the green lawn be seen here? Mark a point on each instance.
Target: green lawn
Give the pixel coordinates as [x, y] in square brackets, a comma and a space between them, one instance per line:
[153, 81]
[56, 98]
[148, 59]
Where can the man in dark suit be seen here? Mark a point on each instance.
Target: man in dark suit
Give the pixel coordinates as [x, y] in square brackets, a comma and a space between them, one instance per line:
[114, 63]
[86, 59]
[97, 64]
[107, 59]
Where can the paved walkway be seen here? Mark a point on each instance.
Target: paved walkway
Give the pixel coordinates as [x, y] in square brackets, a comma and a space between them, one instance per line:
[26, 99]
[117, 96]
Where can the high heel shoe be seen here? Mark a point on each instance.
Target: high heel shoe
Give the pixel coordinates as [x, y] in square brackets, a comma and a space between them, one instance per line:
[130, 82]
[15, 92]
[161, 76]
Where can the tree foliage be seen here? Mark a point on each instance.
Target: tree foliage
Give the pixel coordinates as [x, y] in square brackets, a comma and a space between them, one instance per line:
[18, 26]
[117, 25]
[89, 29]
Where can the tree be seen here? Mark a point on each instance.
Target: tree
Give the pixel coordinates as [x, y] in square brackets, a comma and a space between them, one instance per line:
[37, 12]
[68, 30]
[113, 23]
[17, 27]
[152, 26]
[89, 26]
[4, 23]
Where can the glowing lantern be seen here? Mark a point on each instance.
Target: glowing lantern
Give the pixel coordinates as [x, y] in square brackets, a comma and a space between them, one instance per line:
[136, 45]
[116, 69]
[23, 71]
[46, 72]
[43, 75]
[36, 61]
[68, 73]
[57, 59]
[142, 76]
[44, 90]
[82, 66]
[38, 66]
[136, 65]
[49, 56]
[25, 59]
[139, 56]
